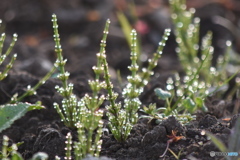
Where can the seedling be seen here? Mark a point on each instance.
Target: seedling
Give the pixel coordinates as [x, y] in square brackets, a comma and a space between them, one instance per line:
[4, 73]
[122, 120]
[10, 152]
[11, 112]
[84, 114]
[160, 114]
[187, 94]
[173, 138]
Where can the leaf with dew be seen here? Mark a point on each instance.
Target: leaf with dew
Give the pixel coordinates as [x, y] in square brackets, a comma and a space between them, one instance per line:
[11, 112]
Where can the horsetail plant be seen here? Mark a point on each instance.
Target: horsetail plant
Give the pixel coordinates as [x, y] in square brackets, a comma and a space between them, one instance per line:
[90, 104]
[68, 111]
[32, 90]
[83, 114]
[11, 153]
[4, 73]
[68, 147]
[189, 92]
[11, 112]
[121, 121]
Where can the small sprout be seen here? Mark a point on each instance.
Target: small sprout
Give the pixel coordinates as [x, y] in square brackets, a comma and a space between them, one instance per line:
[173, 138]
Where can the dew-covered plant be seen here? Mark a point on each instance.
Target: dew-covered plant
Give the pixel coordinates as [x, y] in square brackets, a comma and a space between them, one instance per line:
[11, 112]
[159, 114]
[4, 73]
[83, 114]
[10, 152]
[201, 78]
[7, 151]
[186, 94]
[32, 90]
[123, 117]
[164, 112]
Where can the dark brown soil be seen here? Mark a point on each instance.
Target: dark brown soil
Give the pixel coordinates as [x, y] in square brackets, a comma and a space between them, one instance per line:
[81, 24]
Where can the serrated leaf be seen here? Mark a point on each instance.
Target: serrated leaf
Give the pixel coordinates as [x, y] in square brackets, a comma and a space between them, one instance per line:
[162, 94]
[11, 112]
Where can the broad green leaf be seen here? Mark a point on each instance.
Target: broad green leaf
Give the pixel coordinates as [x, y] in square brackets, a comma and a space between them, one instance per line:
[189, 104]
[11, 112]
[16, 156]
[200, 103]
[162, 94]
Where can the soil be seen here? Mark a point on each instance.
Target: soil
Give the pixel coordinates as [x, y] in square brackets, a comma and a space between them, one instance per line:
[81, 24]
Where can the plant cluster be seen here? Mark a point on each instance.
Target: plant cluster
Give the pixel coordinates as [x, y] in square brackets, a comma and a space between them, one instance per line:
[83, 114]
[4, 73]
[183, 94]
[122, 120]
[11, 112]
[11, 151]
[187, 93]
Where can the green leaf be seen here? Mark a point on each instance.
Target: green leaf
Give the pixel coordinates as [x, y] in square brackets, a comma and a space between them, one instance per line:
[126, 26]
[17, 156]
[189, 104]
[234, 142]
[162, 94]
[161, 109]
[218, 143]
[11, 112]
[40, 156]
[200, 104]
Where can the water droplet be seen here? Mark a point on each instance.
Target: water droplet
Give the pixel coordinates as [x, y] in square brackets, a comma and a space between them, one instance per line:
[196, 47]
[179, 24]
[196, 59]
[174, 16]
[228, 43]
[178, 40]
[15, 35]
[196, 20]
[183, 7]
[178, 50]
[192, 10]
